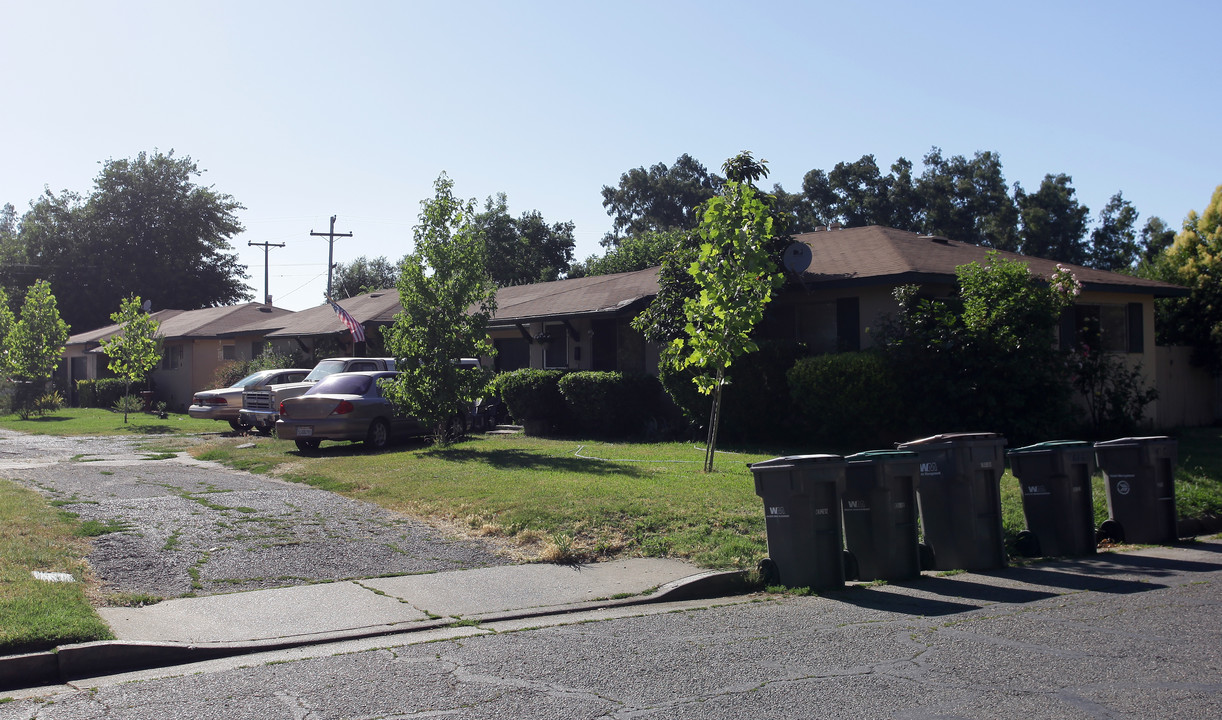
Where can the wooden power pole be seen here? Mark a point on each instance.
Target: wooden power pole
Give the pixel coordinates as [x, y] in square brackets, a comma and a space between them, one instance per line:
[330, 250]
[267, 296]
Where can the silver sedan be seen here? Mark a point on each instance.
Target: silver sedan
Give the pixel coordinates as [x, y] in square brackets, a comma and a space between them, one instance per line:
[344, 406]
[225, 403]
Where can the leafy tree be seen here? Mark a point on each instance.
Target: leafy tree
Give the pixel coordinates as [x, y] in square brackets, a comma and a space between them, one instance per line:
[635, 252]
[34, 343]
[525, 249]
[135, 351]
[1194, 260]
[10, 254]
[985, 360]
[1053, 222]
[660, 198]
[146, 228]
[448, 299]
[1113, 242]
[1155, 238]
[363, 275]
[967, 200]
[735, 275]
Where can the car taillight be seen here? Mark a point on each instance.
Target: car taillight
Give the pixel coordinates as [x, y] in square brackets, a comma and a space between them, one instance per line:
[282, 411]
[343, 408]
[218, 401]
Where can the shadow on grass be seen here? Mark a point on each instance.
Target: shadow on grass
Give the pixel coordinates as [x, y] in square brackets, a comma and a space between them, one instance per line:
[149, 429]
[516, 459]
[44, 419]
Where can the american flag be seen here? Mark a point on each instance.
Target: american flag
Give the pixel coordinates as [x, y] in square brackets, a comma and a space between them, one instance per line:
[358, 332]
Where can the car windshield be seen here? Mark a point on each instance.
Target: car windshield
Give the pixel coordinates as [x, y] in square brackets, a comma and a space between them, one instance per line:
[323, 369]
[341, 384]
[251, 380]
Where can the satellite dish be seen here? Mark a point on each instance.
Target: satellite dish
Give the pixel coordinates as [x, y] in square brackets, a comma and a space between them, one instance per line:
[797, 257]
[147, 306]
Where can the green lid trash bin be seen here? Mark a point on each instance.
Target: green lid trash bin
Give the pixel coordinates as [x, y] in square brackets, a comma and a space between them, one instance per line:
[959, 497]
[1055, 481]
[880, 514]
[1139, 473]
[801, 495]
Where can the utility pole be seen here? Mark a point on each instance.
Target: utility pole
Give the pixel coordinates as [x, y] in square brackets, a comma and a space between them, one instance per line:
[267, 296]
[330, 250]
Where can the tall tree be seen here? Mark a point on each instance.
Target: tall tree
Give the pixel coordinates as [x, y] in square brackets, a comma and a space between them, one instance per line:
[1053, 222]
[1113, 242]
[660, 198]
[448, 299]
[735, 274]
[967, 200]
[34, 344]
[1156, 237]
[146, 228]
[1194, 260]
[634, 252]
[363, 275]
[525, 249]
[135, 351]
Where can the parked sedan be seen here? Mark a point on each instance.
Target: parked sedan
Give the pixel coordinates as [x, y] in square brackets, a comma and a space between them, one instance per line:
[344, 406]
[225, 403]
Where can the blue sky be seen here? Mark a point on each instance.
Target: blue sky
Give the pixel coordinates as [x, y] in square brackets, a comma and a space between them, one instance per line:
[302, 110]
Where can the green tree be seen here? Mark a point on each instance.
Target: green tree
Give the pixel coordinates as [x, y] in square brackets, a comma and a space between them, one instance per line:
[34, 344]
[363, 275]
[135, 351]
[735, 275]
[448, 299]
[147, 228]
[1156, 237]
[1053, 222]
[1113, 242]
[525, 249]
[660, 198]
[635, 252]
[1194, 260]
[966, 200]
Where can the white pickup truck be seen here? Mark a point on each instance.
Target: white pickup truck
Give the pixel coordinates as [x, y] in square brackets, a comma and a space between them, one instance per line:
[261, 408]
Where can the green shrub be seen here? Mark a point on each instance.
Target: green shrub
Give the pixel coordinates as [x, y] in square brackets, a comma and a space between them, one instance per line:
[533, 396]
[847, 401]
[611, 404]
[231, 372]
[101, 393]
[129, 404]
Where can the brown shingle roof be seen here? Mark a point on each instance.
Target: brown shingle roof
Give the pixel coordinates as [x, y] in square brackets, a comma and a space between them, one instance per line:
[598, 295]
[380, 306]
[875, 254]
[207, 322]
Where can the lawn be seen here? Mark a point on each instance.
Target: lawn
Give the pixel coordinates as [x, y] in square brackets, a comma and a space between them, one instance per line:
[96, 421]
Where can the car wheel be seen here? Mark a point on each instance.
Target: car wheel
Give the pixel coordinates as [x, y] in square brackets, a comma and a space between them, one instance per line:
[308, 445]
[379, 435]
[238, 425]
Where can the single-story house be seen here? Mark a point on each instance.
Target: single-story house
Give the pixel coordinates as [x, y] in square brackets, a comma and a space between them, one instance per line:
[195, 343]
[318, 332]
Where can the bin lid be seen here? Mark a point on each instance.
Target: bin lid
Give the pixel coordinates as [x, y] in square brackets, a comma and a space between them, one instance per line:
[950, 437]
[792, 460]
[881, 455]
[1049, 446]
[1133, 441]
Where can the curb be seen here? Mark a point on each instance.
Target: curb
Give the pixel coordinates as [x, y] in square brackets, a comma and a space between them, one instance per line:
[110, 657]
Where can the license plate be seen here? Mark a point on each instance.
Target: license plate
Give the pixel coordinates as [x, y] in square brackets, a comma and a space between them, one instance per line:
[305, 431]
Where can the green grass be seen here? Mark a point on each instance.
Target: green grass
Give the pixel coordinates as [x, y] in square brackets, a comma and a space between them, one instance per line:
[96, 421]
[34, 614]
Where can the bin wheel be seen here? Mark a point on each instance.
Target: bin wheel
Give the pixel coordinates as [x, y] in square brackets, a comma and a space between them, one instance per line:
[769, 573]
[927, 559]
[1111, 531]
[1027, 544]
[851, 569]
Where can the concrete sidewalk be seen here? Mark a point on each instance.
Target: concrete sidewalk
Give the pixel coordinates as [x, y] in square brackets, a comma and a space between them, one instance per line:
[192, 629]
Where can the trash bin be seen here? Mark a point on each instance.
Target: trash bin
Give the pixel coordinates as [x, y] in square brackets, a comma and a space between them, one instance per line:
[959, 496]
[1139, 473]
[801, 496]
[1055, 481]
[880, 514]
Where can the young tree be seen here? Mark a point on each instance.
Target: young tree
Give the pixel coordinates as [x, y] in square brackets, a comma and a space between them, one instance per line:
[448, 299]
[135, 351]
[735, 275]
[35, 342]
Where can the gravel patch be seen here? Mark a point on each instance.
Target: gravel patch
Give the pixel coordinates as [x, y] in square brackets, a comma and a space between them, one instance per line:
[183, 526]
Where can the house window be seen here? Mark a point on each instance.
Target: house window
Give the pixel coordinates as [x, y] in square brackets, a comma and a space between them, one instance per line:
[556, 351]
[1112, 328]
[830, 326]
[171, 357]
[229, 352]
[511, 354]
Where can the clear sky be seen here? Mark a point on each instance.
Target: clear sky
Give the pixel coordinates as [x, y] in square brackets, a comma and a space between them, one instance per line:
[302, 110]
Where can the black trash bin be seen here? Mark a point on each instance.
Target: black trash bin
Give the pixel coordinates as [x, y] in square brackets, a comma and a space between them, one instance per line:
[880, 514]
[801, 496]
[1055, 481]
[1139, 474]
[959, 496]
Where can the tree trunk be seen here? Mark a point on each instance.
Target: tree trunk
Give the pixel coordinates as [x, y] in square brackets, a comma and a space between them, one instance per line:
[710, 446]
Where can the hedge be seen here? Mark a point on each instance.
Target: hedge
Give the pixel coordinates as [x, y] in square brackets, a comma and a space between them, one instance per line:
[101, 393]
